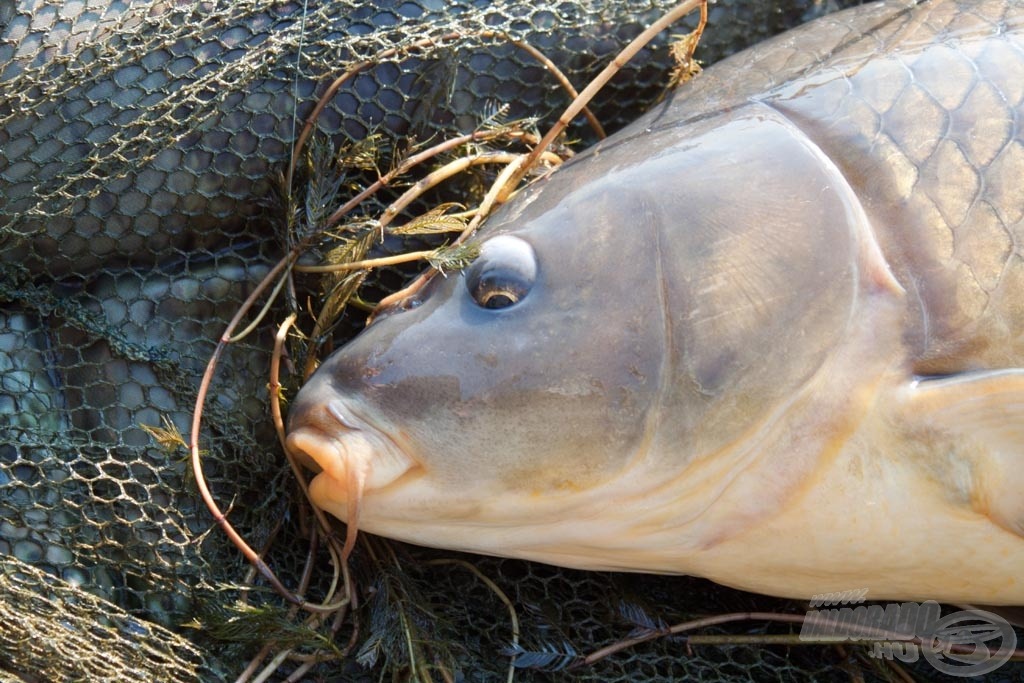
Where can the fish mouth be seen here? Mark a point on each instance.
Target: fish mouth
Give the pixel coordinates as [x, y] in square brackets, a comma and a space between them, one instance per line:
[342, 445]
[353, 457]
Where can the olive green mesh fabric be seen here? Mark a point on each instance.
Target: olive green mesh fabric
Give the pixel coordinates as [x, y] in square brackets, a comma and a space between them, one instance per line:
[49, 624]
[140, 149]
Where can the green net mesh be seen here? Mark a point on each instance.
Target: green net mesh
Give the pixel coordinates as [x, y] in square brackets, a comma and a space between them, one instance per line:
[141, 145]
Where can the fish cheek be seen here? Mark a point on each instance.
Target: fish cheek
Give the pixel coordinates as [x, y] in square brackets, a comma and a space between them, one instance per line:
[420, 374]
[464, 442]
[569, 414]
[513, 404]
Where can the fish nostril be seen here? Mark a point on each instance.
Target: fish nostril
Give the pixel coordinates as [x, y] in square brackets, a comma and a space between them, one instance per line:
[337, 411]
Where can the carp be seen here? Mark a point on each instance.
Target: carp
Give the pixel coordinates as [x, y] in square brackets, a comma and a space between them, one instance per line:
[771, 334]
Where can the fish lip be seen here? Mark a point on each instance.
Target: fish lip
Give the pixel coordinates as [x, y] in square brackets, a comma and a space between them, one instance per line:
[355, 443]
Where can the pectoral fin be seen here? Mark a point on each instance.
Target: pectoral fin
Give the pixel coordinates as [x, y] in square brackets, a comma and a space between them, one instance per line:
[983, 412]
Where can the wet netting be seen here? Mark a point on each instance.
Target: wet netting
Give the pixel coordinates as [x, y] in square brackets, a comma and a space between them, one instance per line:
[144, 192]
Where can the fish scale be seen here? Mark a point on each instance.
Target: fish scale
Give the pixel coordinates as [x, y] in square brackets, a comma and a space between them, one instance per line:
[952, 146]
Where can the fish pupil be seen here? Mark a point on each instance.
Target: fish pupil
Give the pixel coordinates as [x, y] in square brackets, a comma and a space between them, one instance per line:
[499, 299]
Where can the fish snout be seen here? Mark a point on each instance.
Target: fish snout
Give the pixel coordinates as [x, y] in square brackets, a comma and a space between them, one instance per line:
[343, 447]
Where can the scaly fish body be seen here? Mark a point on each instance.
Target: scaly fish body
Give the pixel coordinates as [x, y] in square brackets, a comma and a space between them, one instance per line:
[771, 334]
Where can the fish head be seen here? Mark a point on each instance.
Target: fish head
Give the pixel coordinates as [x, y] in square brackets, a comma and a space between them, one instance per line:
[516, 385]
[628, 320]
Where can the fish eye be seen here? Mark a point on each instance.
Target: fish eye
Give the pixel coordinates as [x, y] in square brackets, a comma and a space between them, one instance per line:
[503, 273]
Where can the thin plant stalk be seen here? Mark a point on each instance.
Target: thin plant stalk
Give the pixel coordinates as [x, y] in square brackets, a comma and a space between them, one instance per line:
[411, 162]
[734, 617]
[627, 53]
[490, 199]
[562, 79]
[513, 617]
